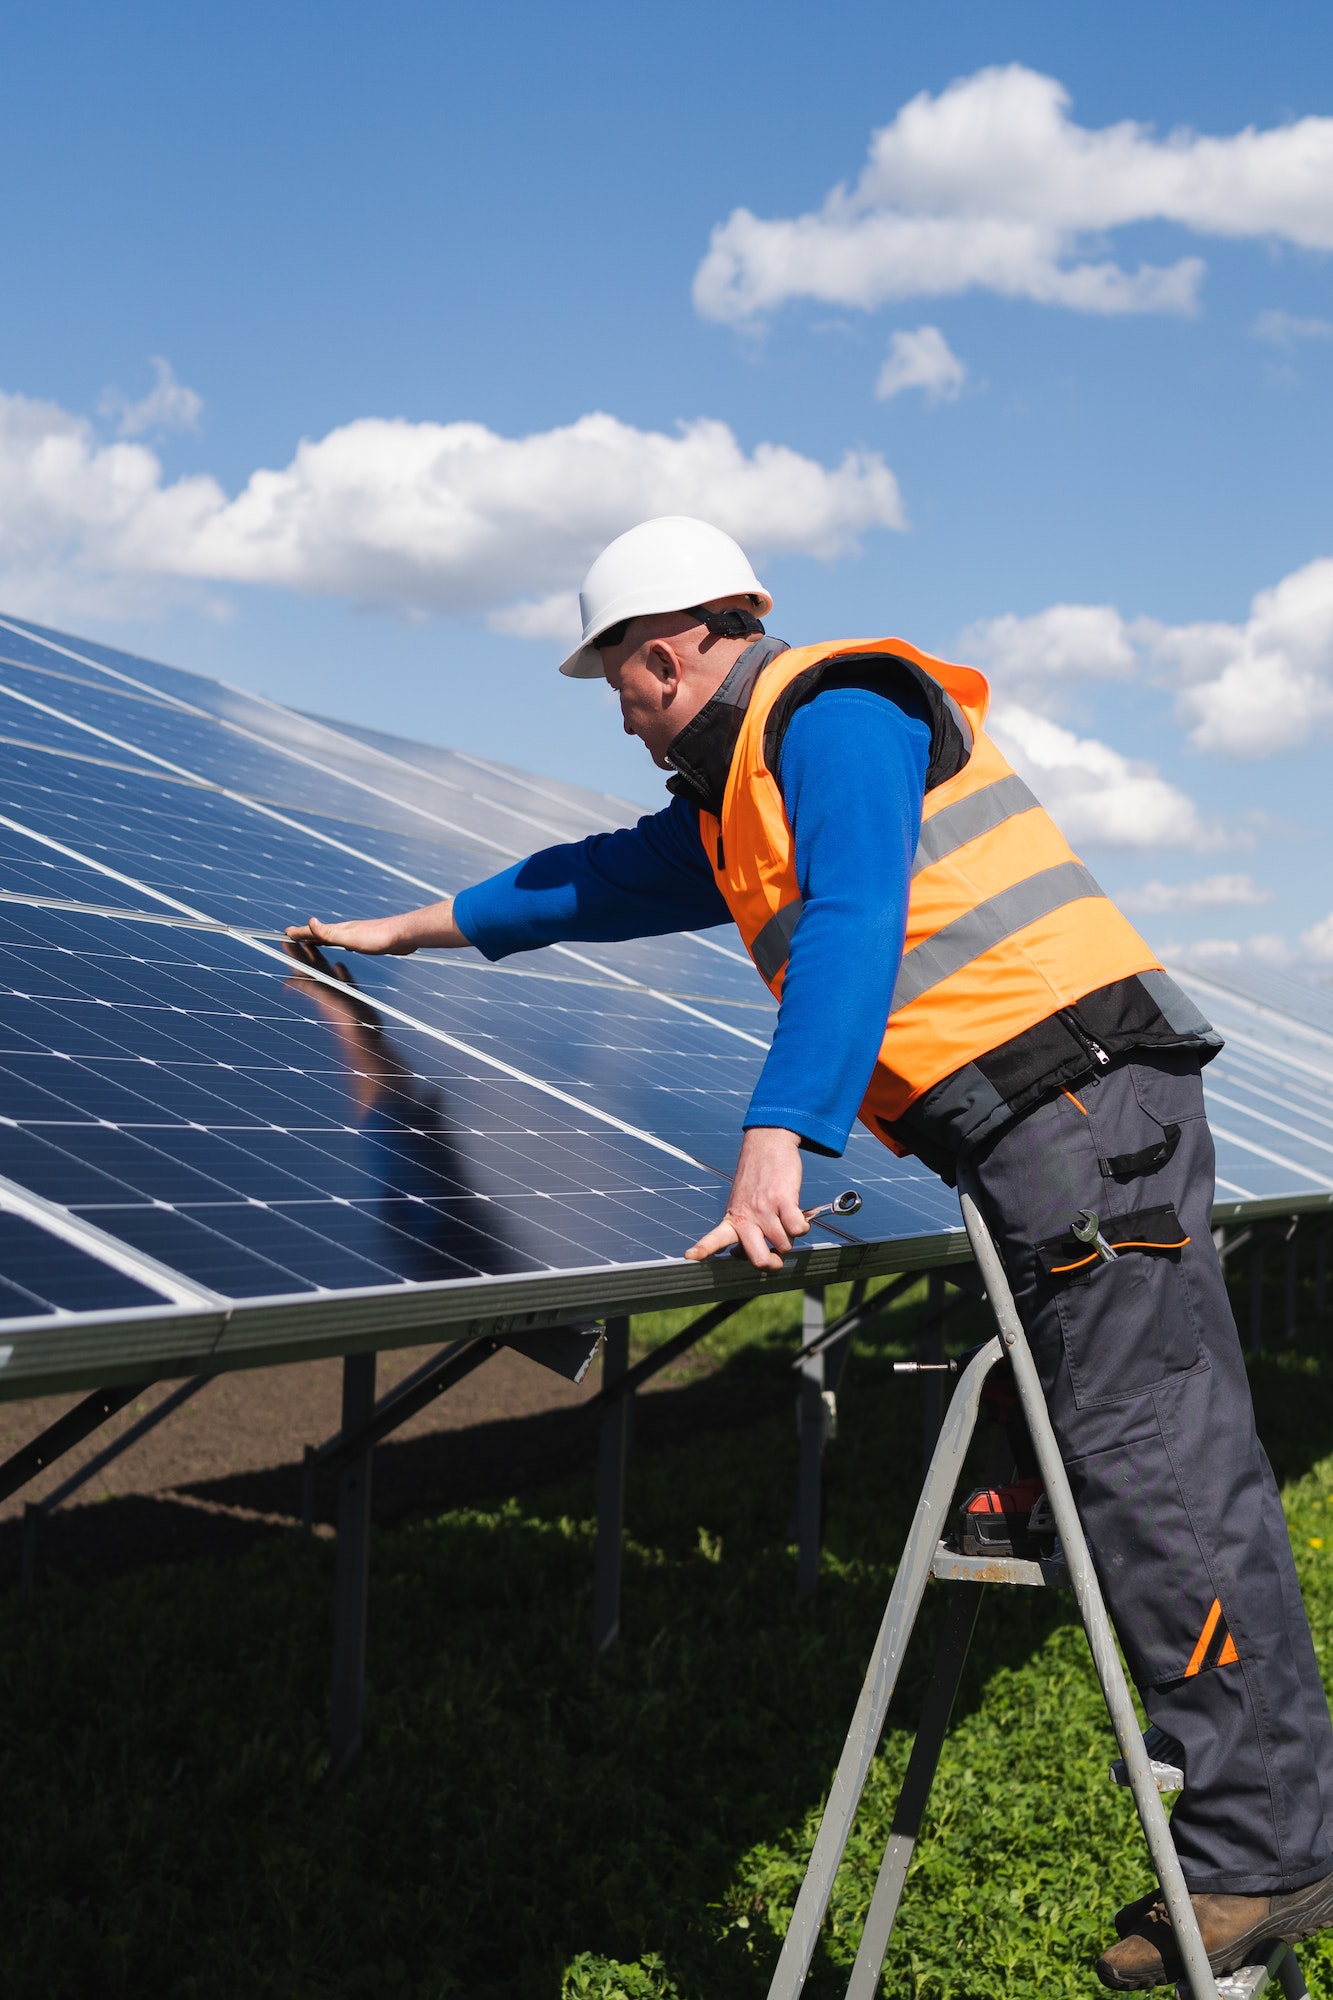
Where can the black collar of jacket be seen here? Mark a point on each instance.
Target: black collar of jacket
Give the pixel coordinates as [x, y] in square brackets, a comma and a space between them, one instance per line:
[701, 755]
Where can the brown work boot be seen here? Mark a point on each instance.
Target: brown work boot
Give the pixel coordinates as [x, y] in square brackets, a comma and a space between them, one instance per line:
[1233, 1928]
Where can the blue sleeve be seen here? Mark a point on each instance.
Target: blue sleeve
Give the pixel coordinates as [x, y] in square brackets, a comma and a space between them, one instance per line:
[853, 776]
[640, 882]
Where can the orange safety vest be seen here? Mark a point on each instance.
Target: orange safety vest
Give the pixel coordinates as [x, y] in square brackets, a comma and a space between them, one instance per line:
[1005, 925]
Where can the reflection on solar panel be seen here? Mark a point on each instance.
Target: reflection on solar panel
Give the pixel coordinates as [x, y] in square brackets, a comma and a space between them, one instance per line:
[208, 1155]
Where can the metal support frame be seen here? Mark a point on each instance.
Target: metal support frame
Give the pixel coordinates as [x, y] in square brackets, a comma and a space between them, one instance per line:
[1291, 1274]
[1256, 1293]
[615, 1400]
[352, 1579]
[814, 1421]
[612, 1463]
[412, 1394]
[1321, 1273]
[919, 1561]
[930, 1350]
[38, 1511]
[64, 1434]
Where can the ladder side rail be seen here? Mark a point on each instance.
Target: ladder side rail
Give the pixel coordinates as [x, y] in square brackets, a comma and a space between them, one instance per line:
[895, 1630]
[931, 1730]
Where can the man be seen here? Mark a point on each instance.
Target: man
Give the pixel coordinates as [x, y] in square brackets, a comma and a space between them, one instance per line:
[949, 972]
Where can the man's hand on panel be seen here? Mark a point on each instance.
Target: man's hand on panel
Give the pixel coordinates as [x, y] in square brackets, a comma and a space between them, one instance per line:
[430, 928]
[764, 1210]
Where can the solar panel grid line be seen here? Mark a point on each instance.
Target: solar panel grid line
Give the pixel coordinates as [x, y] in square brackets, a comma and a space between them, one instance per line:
[284, 750]
[1279, 1125]
[1290, 1023]
[1266, 1153]
[708, 943]
[60, 1222]
[530, 784]
[396, 1013]
[403, 764]
[433, 889]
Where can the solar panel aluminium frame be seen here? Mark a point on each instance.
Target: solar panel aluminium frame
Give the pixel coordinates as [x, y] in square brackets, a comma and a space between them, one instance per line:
[46, 1355]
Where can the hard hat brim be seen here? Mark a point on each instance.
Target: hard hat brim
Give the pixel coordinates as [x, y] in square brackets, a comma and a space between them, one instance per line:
[585, 662]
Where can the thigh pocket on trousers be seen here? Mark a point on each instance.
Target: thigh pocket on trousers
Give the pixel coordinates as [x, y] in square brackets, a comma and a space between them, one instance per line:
[1127, 1327]
[1153, 1571]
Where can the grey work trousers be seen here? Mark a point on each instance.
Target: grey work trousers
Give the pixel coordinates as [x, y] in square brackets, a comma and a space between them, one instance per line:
[1146, 1385]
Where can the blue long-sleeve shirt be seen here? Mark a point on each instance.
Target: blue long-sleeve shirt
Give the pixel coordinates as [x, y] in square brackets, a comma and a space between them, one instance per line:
[852, 772]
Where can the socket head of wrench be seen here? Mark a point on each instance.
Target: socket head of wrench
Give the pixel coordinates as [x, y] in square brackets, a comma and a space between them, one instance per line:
[846, 1203]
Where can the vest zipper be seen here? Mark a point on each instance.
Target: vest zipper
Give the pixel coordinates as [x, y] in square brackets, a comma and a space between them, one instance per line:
[1083, 1038]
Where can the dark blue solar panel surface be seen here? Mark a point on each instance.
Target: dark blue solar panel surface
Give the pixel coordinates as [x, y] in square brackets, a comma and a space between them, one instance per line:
[194, 1096]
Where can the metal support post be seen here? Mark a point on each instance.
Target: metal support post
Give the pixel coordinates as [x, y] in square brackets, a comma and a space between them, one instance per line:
[40, 1510]
[1321, 1273]
[351, 1587]
[612, 1461]
[812, 1417]
[930, 1349]
[1256, 1295]
[1289, 1289]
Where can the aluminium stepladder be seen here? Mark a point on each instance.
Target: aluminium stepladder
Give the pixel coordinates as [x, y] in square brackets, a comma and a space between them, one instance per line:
[924, 1556]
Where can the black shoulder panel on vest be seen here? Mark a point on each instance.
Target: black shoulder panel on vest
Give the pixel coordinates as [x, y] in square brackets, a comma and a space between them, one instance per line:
[885, 673]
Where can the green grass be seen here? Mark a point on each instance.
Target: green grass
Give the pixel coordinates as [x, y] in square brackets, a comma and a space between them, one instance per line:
[531, 1824]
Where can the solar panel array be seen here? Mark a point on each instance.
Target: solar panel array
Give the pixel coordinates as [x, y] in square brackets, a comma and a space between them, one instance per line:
[203, 1122]
[189, 1122]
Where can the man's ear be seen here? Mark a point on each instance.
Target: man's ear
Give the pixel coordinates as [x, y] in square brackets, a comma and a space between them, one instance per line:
[663, 660]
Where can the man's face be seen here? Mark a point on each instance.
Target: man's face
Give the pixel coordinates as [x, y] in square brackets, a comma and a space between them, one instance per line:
[649, 692]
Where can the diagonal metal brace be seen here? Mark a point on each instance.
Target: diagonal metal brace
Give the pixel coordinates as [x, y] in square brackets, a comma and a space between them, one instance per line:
[64, 1434]
[663, 1356]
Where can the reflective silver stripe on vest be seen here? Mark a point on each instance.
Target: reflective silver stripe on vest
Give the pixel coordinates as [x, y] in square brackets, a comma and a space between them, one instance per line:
[952, 828]
[772, 948]
[958, 943]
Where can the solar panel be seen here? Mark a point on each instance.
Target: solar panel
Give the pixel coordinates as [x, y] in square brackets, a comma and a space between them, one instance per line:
[209, 1156]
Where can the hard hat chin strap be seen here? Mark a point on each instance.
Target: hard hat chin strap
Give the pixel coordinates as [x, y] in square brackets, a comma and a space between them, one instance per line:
[729, 624]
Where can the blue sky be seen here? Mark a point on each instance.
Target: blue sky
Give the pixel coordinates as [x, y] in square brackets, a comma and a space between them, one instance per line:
[1104, 310]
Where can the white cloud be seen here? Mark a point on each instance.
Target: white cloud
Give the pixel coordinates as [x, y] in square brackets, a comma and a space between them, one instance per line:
[1285, 329]
[1251, 689]
[922, 360]
[168, 406]
[1093, 793]
[556, 616]
[992, 186]
[424, 517]
[1066, 642]
[1265, 947]
[1211, 892]
[1318, 940]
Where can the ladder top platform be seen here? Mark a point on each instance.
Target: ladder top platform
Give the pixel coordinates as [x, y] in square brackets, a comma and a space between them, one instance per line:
[951, 1566]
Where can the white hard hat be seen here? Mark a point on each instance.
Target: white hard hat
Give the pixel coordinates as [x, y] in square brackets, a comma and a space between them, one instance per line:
[670, 564]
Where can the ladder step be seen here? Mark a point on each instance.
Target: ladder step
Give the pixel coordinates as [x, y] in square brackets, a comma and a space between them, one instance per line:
[1280, 1965]
[1166, 1777]
[1166, 1757]
[954, 1567]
